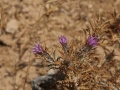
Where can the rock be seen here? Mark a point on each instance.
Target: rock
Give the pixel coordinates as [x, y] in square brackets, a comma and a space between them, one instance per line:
[12, 26]
[52, 71]
[44, 82]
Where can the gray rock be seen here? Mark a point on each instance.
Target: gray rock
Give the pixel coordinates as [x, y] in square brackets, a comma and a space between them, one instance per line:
[44, 82]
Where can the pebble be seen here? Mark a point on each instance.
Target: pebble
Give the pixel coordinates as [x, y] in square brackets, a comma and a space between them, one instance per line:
[52, 71]
[12, 26]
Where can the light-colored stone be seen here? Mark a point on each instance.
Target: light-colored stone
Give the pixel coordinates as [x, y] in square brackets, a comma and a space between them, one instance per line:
[12, 26]
[52, 71]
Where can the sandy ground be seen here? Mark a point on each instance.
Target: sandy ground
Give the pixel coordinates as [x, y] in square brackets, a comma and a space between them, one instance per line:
[24, 22]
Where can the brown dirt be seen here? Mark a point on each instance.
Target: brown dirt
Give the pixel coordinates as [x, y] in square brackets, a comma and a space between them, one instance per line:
[24, 22]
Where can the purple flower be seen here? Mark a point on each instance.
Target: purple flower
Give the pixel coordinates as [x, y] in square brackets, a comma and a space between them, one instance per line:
[92, 40]
[63, 40]
[37, 49]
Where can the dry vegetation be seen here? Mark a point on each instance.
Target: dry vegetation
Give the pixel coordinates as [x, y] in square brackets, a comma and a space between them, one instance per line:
[23, 22]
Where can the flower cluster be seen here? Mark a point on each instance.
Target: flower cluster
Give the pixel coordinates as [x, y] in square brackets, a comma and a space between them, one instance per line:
[91, 41]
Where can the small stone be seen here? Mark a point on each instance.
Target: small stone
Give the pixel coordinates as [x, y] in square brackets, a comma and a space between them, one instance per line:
[52, 71]
[12, 26]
